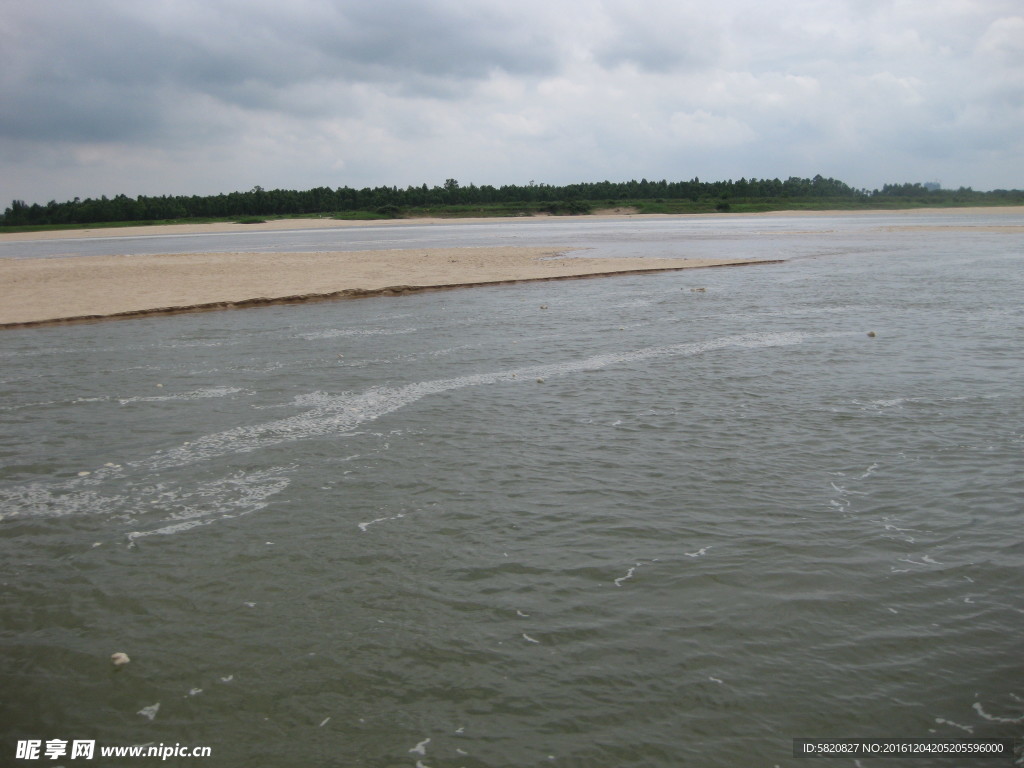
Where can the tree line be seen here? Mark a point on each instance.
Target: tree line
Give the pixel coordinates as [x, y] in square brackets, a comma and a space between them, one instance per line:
[392, 200]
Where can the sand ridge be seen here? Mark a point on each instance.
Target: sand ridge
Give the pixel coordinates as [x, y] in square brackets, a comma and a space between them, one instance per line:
[46, 291]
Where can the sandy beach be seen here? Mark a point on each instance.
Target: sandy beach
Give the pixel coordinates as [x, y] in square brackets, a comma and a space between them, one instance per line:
[42, 291]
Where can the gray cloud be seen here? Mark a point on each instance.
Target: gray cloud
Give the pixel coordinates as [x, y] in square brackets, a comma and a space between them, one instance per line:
[460, 40]
[108, 69]
[684, 36]
[202, 96]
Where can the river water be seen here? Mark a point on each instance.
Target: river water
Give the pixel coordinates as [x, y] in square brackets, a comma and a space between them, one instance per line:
[662, 520]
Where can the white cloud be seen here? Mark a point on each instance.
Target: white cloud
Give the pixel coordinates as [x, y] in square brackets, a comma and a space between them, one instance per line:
[1004, 40]
[703, 129]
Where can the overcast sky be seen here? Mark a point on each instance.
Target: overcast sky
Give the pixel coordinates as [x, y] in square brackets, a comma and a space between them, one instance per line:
[207, 96]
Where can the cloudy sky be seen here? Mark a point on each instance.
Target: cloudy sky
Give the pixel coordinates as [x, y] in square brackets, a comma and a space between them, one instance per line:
[207, 96]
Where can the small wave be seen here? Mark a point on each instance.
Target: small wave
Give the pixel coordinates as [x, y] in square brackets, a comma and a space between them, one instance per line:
[233, 496]
[421, 748]
[976, 706]
[364, 526]
[186, 344]
[23, 406]
[900, 402]
[632, 571]
[893, 403]
[943, 721]
[629, 575]
[55, 500]
[229, 497]
[195, 394]
[333, 333]
[925, 561]
[93, 351]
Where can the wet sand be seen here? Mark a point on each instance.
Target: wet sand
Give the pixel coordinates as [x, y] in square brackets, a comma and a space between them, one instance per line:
[54, 290]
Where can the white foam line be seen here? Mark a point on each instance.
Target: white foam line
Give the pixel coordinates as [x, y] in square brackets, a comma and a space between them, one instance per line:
[230, 497]
[529, 639]
[38, 500]
[629, 575]
[421, 748]
[1008, 720]
[26, 405]
[890, 527]
[925, 560]
[234, 495]
[364, 526]
[889, 403]
[840, 489]
[332, 333]
[699, 553]
[943, 721]
[167, 530]
[338, 414]
[196, 394]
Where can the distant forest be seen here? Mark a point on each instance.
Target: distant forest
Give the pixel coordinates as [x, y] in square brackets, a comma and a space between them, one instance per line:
[457, 200]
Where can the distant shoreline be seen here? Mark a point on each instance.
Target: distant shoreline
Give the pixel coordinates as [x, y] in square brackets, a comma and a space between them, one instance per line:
[272, 224]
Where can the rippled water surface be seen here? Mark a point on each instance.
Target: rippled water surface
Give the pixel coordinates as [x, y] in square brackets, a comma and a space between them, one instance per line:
[658, 520]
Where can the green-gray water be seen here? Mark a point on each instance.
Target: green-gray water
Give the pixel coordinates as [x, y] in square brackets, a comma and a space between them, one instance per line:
[645, 525]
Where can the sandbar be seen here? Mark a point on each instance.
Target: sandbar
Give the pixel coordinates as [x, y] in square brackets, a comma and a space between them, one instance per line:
[87, 288]
[272, 225]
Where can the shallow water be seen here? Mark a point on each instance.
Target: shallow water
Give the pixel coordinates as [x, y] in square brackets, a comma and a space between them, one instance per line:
[645, 525]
